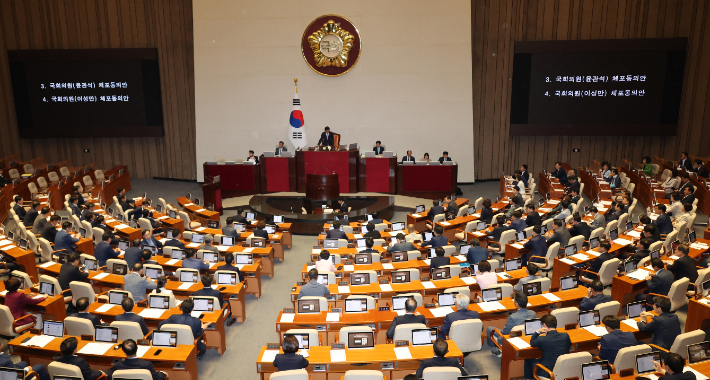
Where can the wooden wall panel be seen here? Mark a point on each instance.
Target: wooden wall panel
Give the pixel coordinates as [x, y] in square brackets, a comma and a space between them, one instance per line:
[97, 24]
[497, 24]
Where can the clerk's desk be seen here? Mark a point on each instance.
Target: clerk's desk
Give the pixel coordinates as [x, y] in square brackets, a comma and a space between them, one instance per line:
[419, 220]
[361, 359]
[234, 293]
[179, 362]
[53, 306]
[380, 321]
[582, 340]
[214, 333]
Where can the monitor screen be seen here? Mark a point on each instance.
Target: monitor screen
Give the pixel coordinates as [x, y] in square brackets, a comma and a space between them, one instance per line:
[400, 277]
[189, 276]
[570, 249]
[363, 258]
[251, 216]
[481, 226]
[158, 302]
[446, 299]
[398, 302]
[629, 266]
[543, 229]
[644, 362]
[655, 254]
[332, 243]
[173, 215]
[360, 279]
[698, 352]
[369, 217]
[115, 298]
[398, 226]
[46, 288]
[169, 234]
[91, 264]
[532, 325]
[197, 238]
[593, 242]
[119, 217]
[107, 334]
[122, 245]
[463, 249]
[493, 294]
[228, 241]
[567, 283]
[302, 340]
[520, 236]
[227, 278]
[361, 243]
[361, 340]
[588, 318]
[213, 224]
[421, 337]
[240, 227]
[159, 208]
[322, 279]
[177, 254]
[12, 374]
[164, 338]
[634, 309]
[513, 264]
[308, 306]
[629, 226]
[243, 258]
[210, 257]
[596, 370]
[419, 209]
[189, 196]
[613, 234]
[83, 232]
[532, 288]
[203, 304]
[356, 305]
[53, 328]
[691, 236]
[441, 273]
[152, 272]
[120, 269]
[428, 236]
[400, 257]
[278, 219]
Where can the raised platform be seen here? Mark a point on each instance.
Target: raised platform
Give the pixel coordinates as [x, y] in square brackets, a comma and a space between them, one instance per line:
[292, 208]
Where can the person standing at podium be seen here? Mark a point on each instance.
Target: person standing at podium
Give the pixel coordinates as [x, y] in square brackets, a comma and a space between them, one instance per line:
[378, 149]
[280, 149]
[326, 138]
[408, 157]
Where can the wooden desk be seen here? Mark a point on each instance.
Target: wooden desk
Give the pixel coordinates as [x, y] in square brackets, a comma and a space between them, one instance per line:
[199, 211]
[237, 180]
[382, 269]
[167, 361]
[703, 368]
[23, 257]
[419, 220]
[53, 306]
[362, 359]
[274, 242]
[377, 174]
[342, 162]
[278, 174]
[110, 188]
[561, 268]
[427, 181]
[549, 185]
[700, 312]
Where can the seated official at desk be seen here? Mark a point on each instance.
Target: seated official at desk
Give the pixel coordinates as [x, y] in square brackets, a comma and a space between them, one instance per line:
[485, 276]
[41, 221]
[408, 157]
[16, 301]
[3, 180]
[280, 149]
[372, 232]
[290, 360]
[136, 284]
[659, 282]
[561, 176]
[498, 230]
[228, 260]
[451, 206]
[19, 209]
[564, 209]
[6, 362]
[435, 210]
[441, 347]
[411, 316]
[444, 157]
[462, 313]
[228, 229]
[438, 240]
[342, 207]
[412, 233]
[336, 232]
[560, 234]
[580, 228]
[160, 289]
[402, 245]
[516, 221]
[530, 275]
[595, 296]
[103, 251]
[324, 263]
[31, 215]
[517, 200]
[326, 138]
[476, 253]
[176, 240]
[198, 328]
[313, 288]
[65, 239]
[369, 244]
[599, 220]
[672, 368]
[440, 260]
[70, 271]
[134, 253]
[536, 244]
[207, 279]
[252, 157]
[375, 218]
[129, 316]
[487, 211]
[378, 149]
[68, 356]
[641, 251]
[192, 262]
[518, 318]
[147, 258]
[82, 305]
[684, 267]
[260, 230]
[551, 342]
[663, 223]
[605, 255]
[665, 326]
[615, 340]
[130, 348]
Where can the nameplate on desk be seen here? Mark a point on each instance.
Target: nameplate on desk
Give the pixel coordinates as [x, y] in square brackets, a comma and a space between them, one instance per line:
[273, 346]
[88, 337]
[330, 297]
[570, 326]
[384, 308]
[384, 261]
[343, 283]
[429, 305]
[301, 283]
[514, 334]
[500, 270]
[400, 343]
[336, 310]
[384, 281]
[348, 263]
[337, 346]
[425, 278]
[36, 331]
[143, 342]
[289, 311]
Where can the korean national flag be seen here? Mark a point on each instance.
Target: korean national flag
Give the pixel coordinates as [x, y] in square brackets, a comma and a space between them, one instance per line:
[297, 128]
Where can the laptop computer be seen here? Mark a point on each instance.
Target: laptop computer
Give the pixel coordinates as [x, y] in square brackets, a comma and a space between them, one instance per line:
[428, 236]
[210, 257]
[698, 352]
[213, 224]
[46, 288]
[189, 276]
[227, 241]
[532, 288]
[53, 328]
[400, 277]
[106, 334]
[399, 301]
[115, 298]
[629, 266]
[152, 272]
[398, 257]
[361, 243]
[120, 269]
[322, 279]
[613, 234]
[423, 337]
[303, 343]
[593, 242]
[588, 318]
[177, 254]
[520, 236]
[331, 243]
[446, 299]
[359, 279]
[357, 340]
[513, 264]
[197, 238]
[156, 301]
[596, 370]
[12, 373]
[481, 226]
[644, 362]
[634, 309]
[164, 338]
[441, 273]
[418, 209]
[363, 258]
[492, 294]
[308, 306]
[355, 305]
[226, 278]
[204, 304]
[91, 264]
[532, 325]
[244, 258]
[570, 250]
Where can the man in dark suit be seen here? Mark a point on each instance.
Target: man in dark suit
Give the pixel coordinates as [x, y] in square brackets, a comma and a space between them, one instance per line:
[700, 169]
[371, 232]
[378, 149]
[684, 182]
[82, 305]
[532, 218]
[65, 239]
[336, 232]
[281, 148]
[369, 243]
[573, 185]
[684, 266]
[580, 228]
[252, 157]
[326, 138]
[104, 251]
[198, 328]
[552, 343]
[376, 219]
[70, 272]
[434, 211]
[595, 296]
[688, 196]
[659, 282]
[615, 181]
[207, 291]
[40, 221]
[133, 254]
[560, 235]
[124, 204]
[130, 348]
[129, 316]
[3, 180]
[401, 245]
[499, 229]
[31, 215]
[524, 175]
[664, 224]
[574, 195]
[641, 250]
[228, 260]
[260, 230]
[439, 240]
[74, 206]
[684, 162]
[440, 260]
[516, 201]
[560, 174]
[239, 218]
[68, 356]
[461, 313]
[19, 210]
[673, 367]
[411, 316]
[408, 157]
[228, 228]
[615, 340]
[341, 206]
[444, 157]
[175, 241]
[537, 245]
[516, 221]
[452, 206]
[476, 253]
[617, 211]
[665, 326]
[440, 360]
[605, 255]
[6, 362]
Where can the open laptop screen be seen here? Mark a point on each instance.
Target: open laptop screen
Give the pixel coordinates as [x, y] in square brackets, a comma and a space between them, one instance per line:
[494, 294]
[532, 325]
[513, 264]
[303, 343]
[567, 283]
[446, 299]
[115, 298]
[400, 277]
[698, 352]
[644, 362]
[107, 334]
[227, 278]
[588, 318]
[360, 279]
[635, 309]
[162, 338]
[53, 328]
[308, 306]
[189, 276]
[12, 374]
[421, 337]
[361, 340]
[363, 258]
[441, 273]
[398, 302]
[355, 305]
[596, 370]
[159, 302]
[203, 304]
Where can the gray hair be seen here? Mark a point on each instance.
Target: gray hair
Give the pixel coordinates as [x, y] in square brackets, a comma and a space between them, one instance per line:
[209, 238]
[462, 301]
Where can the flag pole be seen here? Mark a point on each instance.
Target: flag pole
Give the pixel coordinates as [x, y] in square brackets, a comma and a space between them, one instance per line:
[295, 82]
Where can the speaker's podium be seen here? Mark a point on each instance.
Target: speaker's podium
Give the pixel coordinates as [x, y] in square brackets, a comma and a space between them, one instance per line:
[339, 159]
[212, 193]
[323, 187]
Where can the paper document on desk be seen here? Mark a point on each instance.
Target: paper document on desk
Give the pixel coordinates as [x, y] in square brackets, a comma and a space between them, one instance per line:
[580, 257]
[402, 353]
[385, 287]
[553, 201]
[8, 248]
[551, 297]
[544, 209]
[142, 351]
[240, 266]
[568, 261]
[185, 285]
[400, 312]
[104, 308]
[674, 257]
[151, 313]
[269, 356]
[94, 348]
[697, 245]
[163, 217]
[100, 276]
[639, 274]
[193, 245]
[172, 262]
[441, 311]
[633, 233]
[337, 356]
[427, 261]
[596, 330]
[332, 317]
[470, 280]
[303, 353]
[461, 257]
[38, 341]
[5, 242]
[518, 343]
[349, 268]
[516, 245]
[315, 251]
[3, 293]
[387, 266]
[445, 223]
[593, 253]
[428, 285]
[121, 226]
[343, 289]
[222, 248]
[416, 216]
[189, 204]
[275, 236]
[248, 250]
[162, 241]
[357, 236]
[622, 242]
[602, 209]
[491, 306]
[631, 323]
[47, 264]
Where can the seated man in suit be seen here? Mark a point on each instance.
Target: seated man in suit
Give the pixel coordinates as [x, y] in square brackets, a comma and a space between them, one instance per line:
[551, 342]
[313, 288]
[440, 260]
[3, 180]
[498, 229]
[150, 240]
[672, 368]
[516, 221]
[134, 253]
[198, 328]
[326, 138]
[658, 282]
[461, 313]
[517, 200]
[685, 162]
[573, 187]
[684, 266]
[444, 157]
[125, 205]
[253, 158]
[65, 239]
[130, 348]
[599, 220]
[700, 168]
[688, 196]
[438, 240]
[207, 246]
[435, 210]
[239, 218]
[615, 340]
[524, 175]
[6, 362]
[441, 347]
[560, 174]
[560, 234]
[408, 157]
[68, 356]
[665, 326]
[531, 275]
[31, 215]
[19, 208]
[336, 232]
[520, 301]
[615, 180]
[289, 360]
[376, 219]
[605, 255]
[49, 232]
[476, 253]
[378, 149]
[565, 209]
[664, 224]
[451, 206]
[176, 240]
[104, 251]
[70, 271]
[401, 245]
[369, 243]
[641, 250]
[281, 148]
[371, 232]
[207, 279]
[40, 221]
[228, 260]
[136, 284]
[533, 218]
[411, 316]
[192, 262]
[260, 230]
[341, 206]
[82, 305]
[228, 228]
[595, 296]
[129, 316]
[580, 228]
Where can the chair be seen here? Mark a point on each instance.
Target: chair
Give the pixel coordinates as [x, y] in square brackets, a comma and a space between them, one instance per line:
[128, 330]
[64, 171]
[53, 177]
[34, 191]
[185, 219]
[313, 336]
[439, 218]
[467, 334]
[441, 373]
[545, 283]
[470, 226]
[7, 323]
[449, 250]
[682, 341]
[88, 183]
[14, 173]
[79, 326]
[404, 331]
[80, 290]
[322, 301]
[566, 315]
[162, 202]
[668, 243]
[99, 174]
[597, 233]
[414, 274]
[132, 374]
[606, 273]
[460, 290]
[578, 241]
[26, 280]
[548, 223]
[506, 289]
[462, 210]
[180, 270]
[362, 374]
[478, 204]
[61, 369]
[377, 242]
[413, 237]
[97, 234]
[344, 331]
[703, 275]
[184, 333]
[347, 229]
[380, 226]
[656, 246]
[57, 289]
[111, 262]
[567, 366]
[549, 258]
[343, 243]
[677, 293]
[608, 308]
[505, 237]
[610, 226]
[371, 304]
[145, 224]
[626, 357]
[495, 264]
[294, 374]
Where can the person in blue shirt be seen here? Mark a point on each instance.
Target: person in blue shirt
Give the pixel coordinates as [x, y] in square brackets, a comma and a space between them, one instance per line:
[104, 251]
[198, 328]
[615, 340]
[524, 175]
[192, 262]
[461, 313]
[439, 240]
[537, 245]
[517, 223]
[476, 253]
[614, 180]
[520, 301]
[290, 360]
[65, 239]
